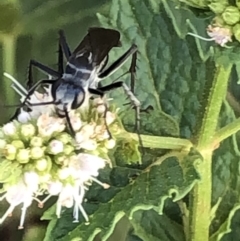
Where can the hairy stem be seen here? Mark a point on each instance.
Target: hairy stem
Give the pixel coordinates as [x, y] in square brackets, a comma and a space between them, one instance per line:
[157, 142]
[227, 131]
[200, 201]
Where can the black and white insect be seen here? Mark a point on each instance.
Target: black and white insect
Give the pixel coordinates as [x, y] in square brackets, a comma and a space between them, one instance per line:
[86, 66]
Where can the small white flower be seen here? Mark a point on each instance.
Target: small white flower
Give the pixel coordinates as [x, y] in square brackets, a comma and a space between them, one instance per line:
[16, 195]
[65, 199]
[75, 121]
[47, 125]
[9, 129]
[31, 179]
[86, 166]
[89, 145]
[221, 35]
[56, 147]
[110, 117]
[54, 187]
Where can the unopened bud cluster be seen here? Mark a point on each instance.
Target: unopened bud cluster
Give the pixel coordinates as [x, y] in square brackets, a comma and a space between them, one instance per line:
[39, 156]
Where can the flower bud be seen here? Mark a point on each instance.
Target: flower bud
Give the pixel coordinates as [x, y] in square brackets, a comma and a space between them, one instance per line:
[231, 15]
[68, 149]
[60, 158]
[101, 109]
[110, 117]
[55, 147]
[18, 144]
[10, 152]
[218, 7]
[109, 144]
[32, 180]
[41, 164]
[2, 143]
[27, 130]
[89, 145]
[238, 3]
[36, 141]
[36, 152]
[236, 31]
[9, 129]
[64, 137]
[64, 173]
[76, 123]
[23, 156]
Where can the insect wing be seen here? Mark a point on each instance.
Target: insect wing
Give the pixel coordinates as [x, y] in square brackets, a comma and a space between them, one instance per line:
[98, 41]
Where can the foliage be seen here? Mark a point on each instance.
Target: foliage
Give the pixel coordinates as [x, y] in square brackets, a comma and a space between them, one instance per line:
[177, 75]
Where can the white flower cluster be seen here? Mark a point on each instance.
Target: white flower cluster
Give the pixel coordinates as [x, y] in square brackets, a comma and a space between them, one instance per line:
[39, 156]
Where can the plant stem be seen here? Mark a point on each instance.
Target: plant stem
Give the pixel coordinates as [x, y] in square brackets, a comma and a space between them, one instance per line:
[9, 51]
[157, 142]
[200, 202]
[227, 131]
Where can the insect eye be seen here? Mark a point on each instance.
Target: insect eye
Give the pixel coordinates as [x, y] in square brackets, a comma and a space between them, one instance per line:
[78, 99]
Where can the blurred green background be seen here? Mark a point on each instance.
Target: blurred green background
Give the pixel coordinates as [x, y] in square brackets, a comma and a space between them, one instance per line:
[29, 29]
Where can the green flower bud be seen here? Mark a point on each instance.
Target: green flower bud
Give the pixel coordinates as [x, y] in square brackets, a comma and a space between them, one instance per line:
[36, 141]
[238, 3]
[2, 144]
[27, 130]
[23, 156]
[9, 129]
[236, 31]
[65, 138]
[110, 144]
[68, 149]
[231, 15]
[42, 164]
[36, 152]
[18, 144]
[60, 158]
[10, 152]
[219, 6]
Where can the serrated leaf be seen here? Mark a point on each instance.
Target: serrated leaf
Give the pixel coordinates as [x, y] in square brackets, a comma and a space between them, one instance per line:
[226, 182]
[225, 227]
[148, 191]
[151, 226]
[167, 77]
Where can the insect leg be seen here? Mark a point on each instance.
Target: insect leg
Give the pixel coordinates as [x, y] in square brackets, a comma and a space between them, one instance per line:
[72, 132]
[42, 67]
[64, 45]
[119, 62]
[134, 101]
[101, 94]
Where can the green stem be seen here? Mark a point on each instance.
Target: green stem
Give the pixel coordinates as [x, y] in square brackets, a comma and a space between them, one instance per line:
[200, 202]
[157, 142]
[9, 51]
[227, 131]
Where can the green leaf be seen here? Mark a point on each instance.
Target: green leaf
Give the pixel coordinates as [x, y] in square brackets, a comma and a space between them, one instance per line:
[226, 182]
[148, 191]
[229, 229]
[167, 77]
[151, 226]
